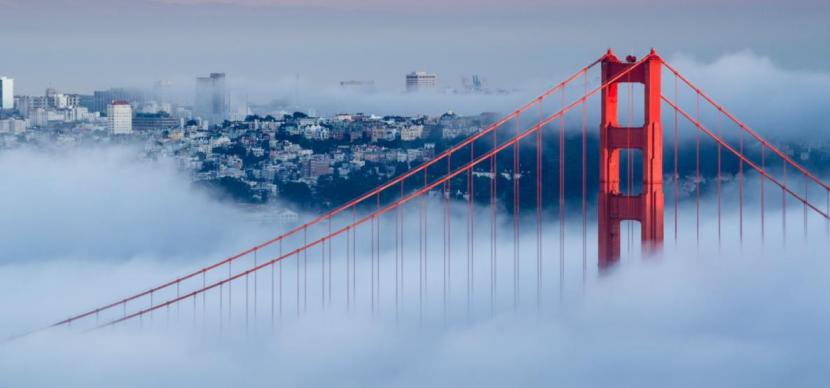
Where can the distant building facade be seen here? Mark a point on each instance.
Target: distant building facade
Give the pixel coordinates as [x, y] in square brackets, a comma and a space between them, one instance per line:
[152, 121]
[120, 117]
[13, 125]
[358, 86]
[6, 93]
[212, 102]
[101, 99]
[421, 80]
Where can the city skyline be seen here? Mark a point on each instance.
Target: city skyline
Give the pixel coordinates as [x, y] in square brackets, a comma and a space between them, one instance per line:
[261, 46]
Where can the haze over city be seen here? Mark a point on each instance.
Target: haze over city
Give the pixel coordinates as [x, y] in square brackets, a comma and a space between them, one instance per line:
[399, 193]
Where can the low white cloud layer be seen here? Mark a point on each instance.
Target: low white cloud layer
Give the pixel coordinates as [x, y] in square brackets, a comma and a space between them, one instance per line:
[104, 204]
[752, 316]
[778, 103]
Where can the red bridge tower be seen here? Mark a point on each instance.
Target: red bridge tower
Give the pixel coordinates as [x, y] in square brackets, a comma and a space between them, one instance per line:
[614, 206]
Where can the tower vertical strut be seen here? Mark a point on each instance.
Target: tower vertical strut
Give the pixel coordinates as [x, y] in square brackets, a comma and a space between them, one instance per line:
[614, 207]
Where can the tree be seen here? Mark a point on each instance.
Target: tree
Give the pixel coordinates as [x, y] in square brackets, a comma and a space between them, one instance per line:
[296, 192]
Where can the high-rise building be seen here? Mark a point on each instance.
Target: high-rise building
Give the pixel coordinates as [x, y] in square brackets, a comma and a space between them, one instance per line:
[101, 99]
[420, 80]
[163, 92]
[151, 121]
[212, 102]
[120, 117]
[6, 93]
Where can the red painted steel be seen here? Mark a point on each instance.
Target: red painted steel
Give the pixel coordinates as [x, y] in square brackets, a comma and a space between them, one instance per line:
[614, 207]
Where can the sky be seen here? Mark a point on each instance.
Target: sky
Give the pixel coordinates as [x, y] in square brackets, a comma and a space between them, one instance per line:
[82, 45]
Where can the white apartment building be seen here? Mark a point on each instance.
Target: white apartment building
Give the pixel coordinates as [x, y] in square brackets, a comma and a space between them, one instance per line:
[120, 117]
[13, 126]
[6, 93]
[420, 80]
[412, 132]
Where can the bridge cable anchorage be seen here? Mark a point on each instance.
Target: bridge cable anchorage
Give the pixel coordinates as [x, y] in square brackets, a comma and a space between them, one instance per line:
[308, 244]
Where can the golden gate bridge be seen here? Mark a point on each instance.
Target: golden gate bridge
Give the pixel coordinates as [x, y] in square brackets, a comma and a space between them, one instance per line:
[412, 228]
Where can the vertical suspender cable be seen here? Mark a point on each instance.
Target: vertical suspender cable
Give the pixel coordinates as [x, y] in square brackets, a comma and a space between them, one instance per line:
[719, 183]
[562, 200]
[584, 181]
[493, 203]
[676, 176]
[539, 208]
[470, 229]
[741, 192]
[784, 204]
[762, 179]
[697, 174]
[516, 225]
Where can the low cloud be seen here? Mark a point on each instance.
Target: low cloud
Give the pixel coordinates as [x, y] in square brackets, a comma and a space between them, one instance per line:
[698, 315]
[106, 204]
[778, 103]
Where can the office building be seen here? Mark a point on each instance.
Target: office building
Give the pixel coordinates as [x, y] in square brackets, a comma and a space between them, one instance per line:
[154, 121]
[6, 93]
[420, 80]
[212, 102]
[101, 99]
[120, 117]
